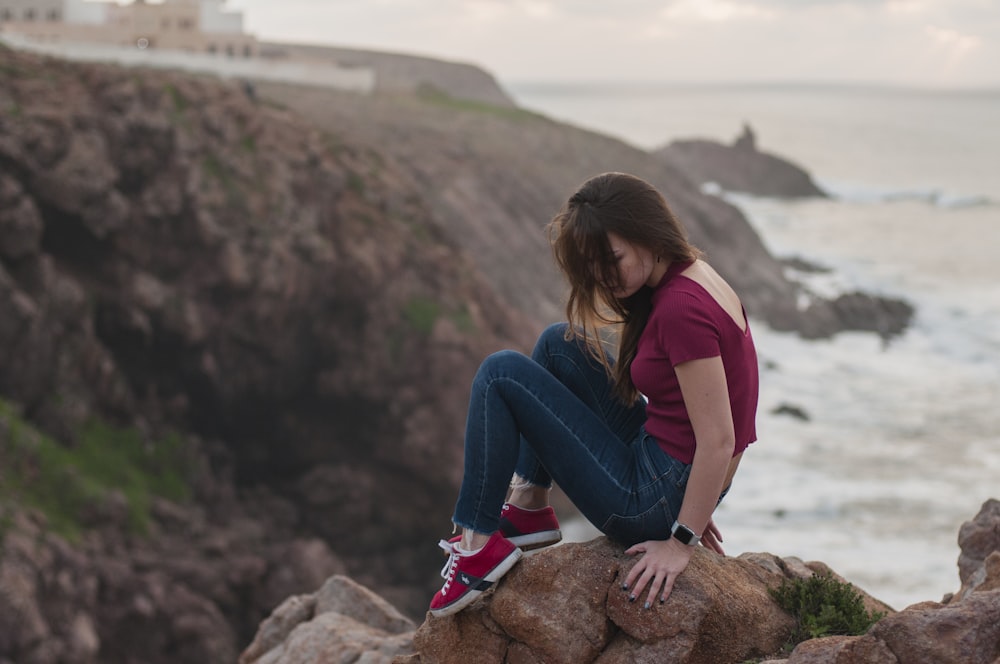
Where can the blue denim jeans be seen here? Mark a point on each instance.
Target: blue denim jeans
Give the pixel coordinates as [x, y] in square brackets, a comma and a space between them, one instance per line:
[553, 416]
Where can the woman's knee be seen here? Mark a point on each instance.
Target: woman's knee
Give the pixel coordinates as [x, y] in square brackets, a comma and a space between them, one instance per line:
[552, 338]
[500, 363]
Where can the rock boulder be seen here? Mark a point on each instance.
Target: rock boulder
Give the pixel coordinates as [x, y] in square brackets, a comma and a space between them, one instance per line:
[740, 167]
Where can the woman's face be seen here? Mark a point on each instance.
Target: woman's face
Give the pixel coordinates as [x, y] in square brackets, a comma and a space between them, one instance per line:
[637, 267]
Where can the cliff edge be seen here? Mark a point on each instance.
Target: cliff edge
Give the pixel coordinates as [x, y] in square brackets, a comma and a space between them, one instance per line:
[403, 73]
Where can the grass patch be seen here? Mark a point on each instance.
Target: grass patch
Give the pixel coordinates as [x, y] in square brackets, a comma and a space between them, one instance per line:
[212, 167]
[824, 606]
[66, 483]
[180, 102]
[440, 98]
[421, 313]
[215, 169]
[463, 320]
[355, 183]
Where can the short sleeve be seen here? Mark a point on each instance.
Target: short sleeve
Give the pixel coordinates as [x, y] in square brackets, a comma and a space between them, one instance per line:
[689, 331]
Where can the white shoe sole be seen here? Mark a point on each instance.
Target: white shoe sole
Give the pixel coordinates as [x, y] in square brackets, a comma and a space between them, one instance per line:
[537, 540]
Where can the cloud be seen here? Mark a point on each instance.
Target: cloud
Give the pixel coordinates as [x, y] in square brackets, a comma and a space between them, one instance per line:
[924, 42]
[715, 10]
[956, 43]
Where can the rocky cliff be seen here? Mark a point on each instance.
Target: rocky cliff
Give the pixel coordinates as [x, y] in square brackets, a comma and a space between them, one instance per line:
[179, 260]
[238, 330]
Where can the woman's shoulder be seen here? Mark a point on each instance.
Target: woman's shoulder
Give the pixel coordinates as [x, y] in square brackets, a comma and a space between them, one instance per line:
[710, 287]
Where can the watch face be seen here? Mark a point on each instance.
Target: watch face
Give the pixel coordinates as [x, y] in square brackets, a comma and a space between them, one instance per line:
[683, 533]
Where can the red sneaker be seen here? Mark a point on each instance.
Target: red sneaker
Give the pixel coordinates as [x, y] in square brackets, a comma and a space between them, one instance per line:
[526, 529]
[469, 575]
[529, 529]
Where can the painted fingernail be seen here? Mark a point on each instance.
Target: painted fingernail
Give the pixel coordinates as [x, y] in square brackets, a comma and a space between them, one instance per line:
[646, 605]
[662, 600]
[631, 598]
[624, 586]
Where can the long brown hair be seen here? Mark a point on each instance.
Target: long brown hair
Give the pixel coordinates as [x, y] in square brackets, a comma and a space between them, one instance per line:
[633, 209]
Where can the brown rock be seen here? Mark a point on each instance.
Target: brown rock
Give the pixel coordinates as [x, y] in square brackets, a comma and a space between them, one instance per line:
[967, 631]
[343, 622]
[556, 603]
[334, 637]
[341, 595]
[977, 539]
[20, 223]
[276, 627]
[843, 650]
[566, 605]
[740, 167]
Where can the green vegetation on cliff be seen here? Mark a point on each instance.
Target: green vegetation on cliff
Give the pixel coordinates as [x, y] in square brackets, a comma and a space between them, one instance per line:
[67, 484]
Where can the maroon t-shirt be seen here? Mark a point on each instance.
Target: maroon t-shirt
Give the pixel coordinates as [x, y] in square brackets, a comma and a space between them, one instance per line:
[686, 323]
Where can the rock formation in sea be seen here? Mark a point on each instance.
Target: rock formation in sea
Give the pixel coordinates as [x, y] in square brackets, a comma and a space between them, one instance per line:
[237, 335]
[739, 167]
[565, 605]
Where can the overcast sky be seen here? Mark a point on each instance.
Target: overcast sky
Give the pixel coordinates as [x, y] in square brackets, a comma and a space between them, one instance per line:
[932, 43]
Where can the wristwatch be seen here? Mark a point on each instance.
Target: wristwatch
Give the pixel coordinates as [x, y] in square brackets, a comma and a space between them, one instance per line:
[686, 536]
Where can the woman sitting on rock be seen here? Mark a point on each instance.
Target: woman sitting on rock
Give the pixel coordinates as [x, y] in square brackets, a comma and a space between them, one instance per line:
[646, 445]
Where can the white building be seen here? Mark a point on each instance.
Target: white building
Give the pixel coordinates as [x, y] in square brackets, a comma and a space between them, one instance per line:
[196, 35]
[84, 12]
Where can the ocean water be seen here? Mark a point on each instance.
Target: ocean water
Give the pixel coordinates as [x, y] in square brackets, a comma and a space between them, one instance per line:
[902, 440]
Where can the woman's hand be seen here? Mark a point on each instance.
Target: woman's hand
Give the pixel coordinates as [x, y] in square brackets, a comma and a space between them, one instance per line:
[712, 538]
[661, 563]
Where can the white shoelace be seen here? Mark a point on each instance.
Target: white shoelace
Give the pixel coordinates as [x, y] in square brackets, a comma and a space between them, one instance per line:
[448, 571]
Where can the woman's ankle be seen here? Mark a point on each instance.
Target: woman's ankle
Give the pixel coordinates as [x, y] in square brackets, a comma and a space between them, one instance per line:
[473, 541]
[529, 497]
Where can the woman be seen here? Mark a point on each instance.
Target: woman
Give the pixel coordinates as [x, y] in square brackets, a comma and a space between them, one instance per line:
[648, 472]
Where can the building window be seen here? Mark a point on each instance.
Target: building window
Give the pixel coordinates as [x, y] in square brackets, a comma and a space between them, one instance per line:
[211, 48]
[29, 15]
[186, 24]
[6, 15]
[229, 50]
[53, 15]
[247, 51]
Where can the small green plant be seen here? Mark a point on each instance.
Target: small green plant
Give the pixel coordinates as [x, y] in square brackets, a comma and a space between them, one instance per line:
[824, 606]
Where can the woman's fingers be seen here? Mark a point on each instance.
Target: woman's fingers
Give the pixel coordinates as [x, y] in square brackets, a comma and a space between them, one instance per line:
[638, 568]
[668, 586]
[659, 583]
[654, 574]
[714, 529]
[644, 577]
[709, 541]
